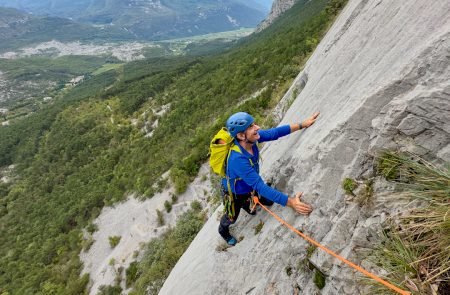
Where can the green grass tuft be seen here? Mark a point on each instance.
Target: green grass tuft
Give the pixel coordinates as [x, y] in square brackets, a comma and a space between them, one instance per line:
[114, 241]
[349, 185]
[259, 227]
[196, 205]
[168, 206]
[310, 250]
[415, 252]
[131, 274]
[319, 279]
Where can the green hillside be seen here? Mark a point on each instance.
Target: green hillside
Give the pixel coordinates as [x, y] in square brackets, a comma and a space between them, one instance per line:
[82, 152]
[18, 29]
[28, 80]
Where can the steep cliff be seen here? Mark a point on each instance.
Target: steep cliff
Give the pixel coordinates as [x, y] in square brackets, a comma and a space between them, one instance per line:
[380, 79]
[278, 7]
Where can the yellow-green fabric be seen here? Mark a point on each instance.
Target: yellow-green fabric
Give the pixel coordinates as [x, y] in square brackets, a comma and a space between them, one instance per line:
[219, 152]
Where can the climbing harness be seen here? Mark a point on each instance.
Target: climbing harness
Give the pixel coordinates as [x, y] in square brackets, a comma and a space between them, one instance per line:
[229, 202]
[351, 264]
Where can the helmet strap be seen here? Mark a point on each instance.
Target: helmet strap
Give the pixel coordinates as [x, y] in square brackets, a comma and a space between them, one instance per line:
[248, 141]
[245, 139]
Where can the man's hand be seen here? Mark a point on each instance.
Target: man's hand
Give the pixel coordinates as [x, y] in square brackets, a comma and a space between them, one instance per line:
[298, 205]
[308, 122]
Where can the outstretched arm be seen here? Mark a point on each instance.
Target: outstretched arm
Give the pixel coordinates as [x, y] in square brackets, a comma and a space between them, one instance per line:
[306, 123]
[277, 132]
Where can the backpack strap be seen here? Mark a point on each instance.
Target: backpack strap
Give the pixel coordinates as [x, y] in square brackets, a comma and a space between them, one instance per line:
[238, 150]
[229, 205]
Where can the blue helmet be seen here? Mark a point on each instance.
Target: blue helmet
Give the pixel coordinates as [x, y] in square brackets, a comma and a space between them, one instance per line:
[238, 123]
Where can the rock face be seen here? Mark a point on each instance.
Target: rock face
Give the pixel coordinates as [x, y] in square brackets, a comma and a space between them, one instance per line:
[381, 80]
[278, 7]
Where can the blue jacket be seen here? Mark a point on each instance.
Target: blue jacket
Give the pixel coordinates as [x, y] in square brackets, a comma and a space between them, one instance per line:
[239, 166]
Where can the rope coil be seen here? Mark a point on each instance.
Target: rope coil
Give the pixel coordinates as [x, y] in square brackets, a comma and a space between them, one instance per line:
[349, 263]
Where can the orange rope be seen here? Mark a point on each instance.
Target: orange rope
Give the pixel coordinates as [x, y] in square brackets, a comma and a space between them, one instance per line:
[357, 267]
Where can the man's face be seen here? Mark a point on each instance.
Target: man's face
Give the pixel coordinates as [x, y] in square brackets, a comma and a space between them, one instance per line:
[251, 133]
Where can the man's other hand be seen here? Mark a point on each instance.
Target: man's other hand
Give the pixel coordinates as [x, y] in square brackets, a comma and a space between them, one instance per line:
[300, 207]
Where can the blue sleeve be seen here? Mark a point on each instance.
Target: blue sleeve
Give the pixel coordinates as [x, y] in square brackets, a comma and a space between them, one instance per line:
[274, 133]
[247, 173]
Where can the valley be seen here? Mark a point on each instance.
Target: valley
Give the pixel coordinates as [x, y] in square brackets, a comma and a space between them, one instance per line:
[32, 76]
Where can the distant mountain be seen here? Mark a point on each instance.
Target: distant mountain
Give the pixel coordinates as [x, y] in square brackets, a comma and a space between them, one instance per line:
[153, 19]
[19, 29]
[278, 8]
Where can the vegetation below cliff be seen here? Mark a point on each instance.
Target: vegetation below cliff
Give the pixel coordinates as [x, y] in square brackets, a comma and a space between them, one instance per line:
[119, 131]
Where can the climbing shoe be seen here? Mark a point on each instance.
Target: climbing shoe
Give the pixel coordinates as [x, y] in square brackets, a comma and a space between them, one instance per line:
[231, 241]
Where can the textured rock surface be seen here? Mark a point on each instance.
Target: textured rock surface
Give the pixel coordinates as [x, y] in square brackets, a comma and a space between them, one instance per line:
[381, 79]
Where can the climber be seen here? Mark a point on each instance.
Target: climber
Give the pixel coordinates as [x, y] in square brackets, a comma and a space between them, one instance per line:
[242, 171]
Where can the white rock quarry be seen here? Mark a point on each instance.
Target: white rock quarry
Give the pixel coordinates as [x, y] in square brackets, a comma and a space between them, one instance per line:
[381, 79]
[123, 51]
[136, 223]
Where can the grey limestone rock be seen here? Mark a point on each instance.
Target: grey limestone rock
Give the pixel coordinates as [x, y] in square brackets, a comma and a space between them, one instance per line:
[413, 125]
[381, 80]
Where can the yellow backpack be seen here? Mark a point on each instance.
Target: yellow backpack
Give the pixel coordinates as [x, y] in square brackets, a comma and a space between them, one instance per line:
[219, 152]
